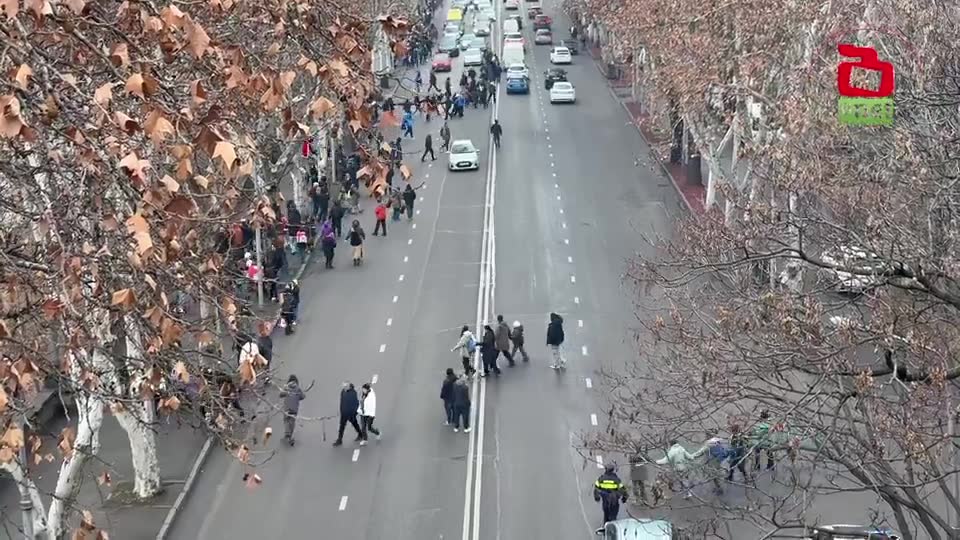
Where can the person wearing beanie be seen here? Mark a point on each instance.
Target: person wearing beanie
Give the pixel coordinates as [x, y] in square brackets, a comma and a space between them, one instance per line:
[292, 396]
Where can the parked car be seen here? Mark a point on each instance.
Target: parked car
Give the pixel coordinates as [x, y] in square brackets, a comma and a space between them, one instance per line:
[637, 529]
[473, 57]
[511, 4]
[516, 17]
[553, 75]
[518, 85]
[441, 62]
[448, 44]
[852, 532]
[571, 45]
[560, 55]
[533, 11]
[489, 14]
[463, 156]
[466, 40]
[868, 266]
[481, 28]
[563, 92]
[542, 21]
[478, 43]
[543, 37]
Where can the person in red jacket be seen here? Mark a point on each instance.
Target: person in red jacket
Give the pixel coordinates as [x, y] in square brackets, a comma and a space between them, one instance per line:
[381, 213]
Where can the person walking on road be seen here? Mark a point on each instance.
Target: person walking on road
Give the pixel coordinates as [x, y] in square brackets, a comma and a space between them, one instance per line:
[497, 131]
[517, 339]
[356, 242]
[368, 412]
[461, 405]
[608, 490]
[428, 149]
[418, 82]
[287, 311]
[445, 137]
[488, 351]
[503, 340]
[679, 461]
[555, 339]
[409, 199]
[336, 217]
[446, 394]
[349, 405]
[328, 243]
[433, 83]
[466, 346]
[292, 396]
[381, 214]
[760, 438]
[407, 124]
[717, 451]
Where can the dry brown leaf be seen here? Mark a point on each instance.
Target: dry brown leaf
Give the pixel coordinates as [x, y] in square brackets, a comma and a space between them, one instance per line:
[198, 38]
[10, 120]
[86, 521]
[252, 481]
[137, 224]
[226, 152]
[4, 400]
[67, 436]
[120, 55]
[76, 6]
[172, 16]
[103, 94]
[243, 453]
[405, 171]
[157, 127]
[135, 84]
[10, 8]
[125, 298]
[355, 125]
[248, 375]
[340, 67]
[51, 308]
[23, 76]
[172, 185]
[181, 373]
[267, 433]
[104, 478]
[308, 65]
[39, 7]
[12, 438]
[274, 48]
[170, 404]
[320, 107]
[197, 92]
[127, 124]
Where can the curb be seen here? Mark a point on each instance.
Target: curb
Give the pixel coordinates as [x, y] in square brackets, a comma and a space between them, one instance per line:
[205, 449]
[663, 167]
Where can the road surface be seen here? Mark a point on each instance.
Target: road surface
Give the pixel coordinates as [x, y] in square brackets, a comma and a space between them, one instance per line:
[567, 208]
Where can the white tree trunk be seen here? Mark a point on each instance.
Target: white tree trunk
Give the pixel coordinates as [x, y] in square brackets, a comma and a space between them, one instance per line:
[87, 444]
[26, 486]
[138, 422]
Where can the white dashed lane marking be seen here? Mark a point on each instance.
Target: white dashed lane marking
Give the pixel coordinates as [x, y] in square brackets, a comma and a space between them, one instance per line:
[405, 258]
[593, 420]
[583, 350]
[573, 279]
[576, 300]
[395, 298]
[383, 347]
[401, 278]
[599, 462]
[390, 322]
[356, 454]
[566, 241]
[579, 323]
[414, 225]
[588, 382]
[410, 242]
[374, 379]
[343, 503]
[564, 225]
[569, 259]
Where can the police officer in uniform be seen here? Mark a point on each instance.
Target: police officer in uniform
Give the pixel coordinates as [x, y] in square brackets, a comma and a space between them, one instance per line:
[609, 492]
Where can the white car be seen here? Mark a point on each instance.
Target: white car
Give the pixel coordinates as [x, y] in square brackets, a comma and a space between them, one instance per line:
[464, 156]
[562, 92]
[473, 57]
[482, 29]
[511, 4]
[490, 14]
[560, 55]
[518, 70]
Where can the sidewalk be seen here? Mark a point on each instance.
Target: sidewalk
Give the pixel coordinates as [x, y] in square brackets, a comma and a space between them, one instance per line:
[694, 195]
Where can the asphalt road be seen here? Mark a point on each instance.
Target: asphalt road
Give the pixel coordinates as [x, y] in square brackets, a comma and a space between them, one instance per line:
[569, 207]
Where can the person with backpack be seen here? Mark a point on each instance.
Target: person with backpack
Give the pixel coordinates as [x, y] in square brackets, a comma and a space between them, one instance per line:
[555, 339]
[292, 396]
[446, 395]
[517, 339]
[466, 346]
[356, 241]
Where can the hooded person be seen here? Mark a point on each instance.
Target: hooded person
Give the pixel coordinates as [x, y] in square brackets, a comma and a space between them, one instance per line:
[461, 405]
[446, 395]
[488, 351]
[292, 396]
[517, 338]
[555, 339]
[466, 346]
[349, 406]
[502, 336]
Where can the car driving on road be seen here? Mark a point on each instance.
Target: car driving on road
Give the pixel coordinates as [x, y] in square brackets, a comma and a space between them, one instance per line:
[518, 70]
[543, 37]
[441, 62]
[553, 75]
[517, 84]
[463, 156]
[560, 55]
[563, 92]
[571, 45]
[472, 57]
[448, 44]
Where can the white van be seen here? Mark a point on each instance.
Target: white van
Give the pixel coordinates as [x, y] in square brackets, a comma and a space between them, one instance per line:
[510, 26]
[512, 54]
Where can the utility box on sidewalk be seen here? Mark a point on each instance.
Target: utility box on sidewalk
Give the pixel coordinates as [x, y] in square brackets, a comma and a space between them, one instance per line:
[694, 178]
[613, 71]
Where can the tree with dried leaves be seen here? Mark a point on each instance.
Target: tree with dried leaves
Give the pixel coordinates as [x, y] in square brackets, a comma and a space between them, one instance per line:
[741, 312]
[127, 134]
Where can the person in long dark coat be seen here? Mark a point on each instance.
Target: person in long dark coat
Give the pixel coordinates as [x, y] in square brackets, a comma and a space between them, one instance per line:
[488, 351]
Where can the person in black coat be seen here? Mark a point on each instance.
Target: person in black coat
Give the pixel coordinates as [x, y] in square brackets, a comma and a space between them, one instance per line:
[446, 394]
[349, 405]
[336, 217]
[461, 405]
[555, 339]
[488, 351]
[287, 311]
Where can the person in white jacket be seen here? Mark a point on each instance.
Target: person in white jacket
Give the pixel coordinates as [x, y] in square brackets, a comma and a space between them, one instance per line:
[679, 460]
[467, 346]
[368, 411]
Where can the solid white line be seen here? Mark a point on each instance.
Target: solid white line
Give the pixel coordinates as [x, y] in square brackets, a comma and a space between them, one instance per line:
[390, 322]
[573, 279]
[589, 382]
[356, 454]
[569, 259]
[593, 420]
[583, 350]
[405, 258]
[410, 242]
[343, 503]
[383, 347]
[576, 300]
[580, 323]
[401, 277]
[374, 379]
[599, 462]
[395, 298]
